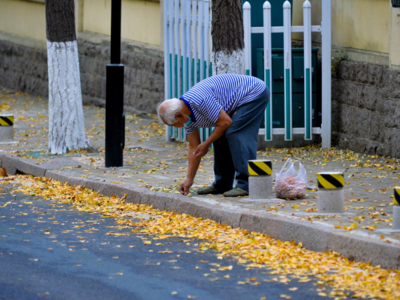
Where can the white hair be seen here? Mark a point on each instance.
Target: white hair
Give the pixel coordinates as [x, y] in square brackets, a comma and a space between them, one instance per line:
[170, 108]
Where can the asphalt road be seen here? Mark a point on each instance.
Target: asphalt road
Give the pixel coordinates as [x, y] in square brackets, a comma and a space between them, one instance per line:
[51, 251]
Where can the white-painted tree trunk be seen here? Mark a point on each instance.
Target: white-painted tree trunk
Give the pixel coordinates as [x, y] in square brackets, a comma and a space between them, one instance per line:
[224, 63]
[66, 121]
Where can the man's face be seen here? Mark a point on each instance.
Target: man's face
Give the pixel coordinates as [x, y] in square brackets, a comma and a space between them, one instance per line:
[177, 124]
[178, 116]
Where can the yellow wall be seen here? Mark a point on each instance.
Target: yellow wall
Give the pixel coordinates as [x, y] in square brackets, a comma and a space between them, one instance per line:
[359, 24]
[23, 18]
[140, 19]
[367, 25]
[395, 42]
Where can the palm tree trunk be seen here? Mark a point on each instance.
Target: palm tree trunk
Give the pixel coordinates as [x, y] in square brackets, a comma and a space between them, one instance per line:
[66, 120]
[228, 37]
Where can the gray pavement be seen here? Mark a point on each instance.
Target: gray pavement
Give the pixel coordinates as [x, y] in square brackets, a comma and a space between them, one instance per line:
[158, 167]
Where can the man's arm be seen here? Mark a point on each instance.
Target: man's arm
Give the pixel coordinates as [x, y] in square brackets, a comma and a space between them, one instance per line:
[194, 161]
[222, 124]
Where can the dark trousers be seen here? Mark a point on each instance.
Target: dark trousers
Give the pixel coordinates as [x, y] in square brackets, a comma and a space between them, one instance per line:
[238, 145]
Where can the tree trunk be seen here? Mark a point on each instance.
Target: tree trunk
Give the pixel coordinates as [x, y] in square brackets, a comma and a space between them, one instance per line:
[228, 37]
[66, 120]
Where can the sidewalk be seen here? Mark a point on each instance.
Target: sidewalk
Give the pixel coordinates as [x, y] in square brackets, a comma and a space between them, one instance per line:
[153, 170]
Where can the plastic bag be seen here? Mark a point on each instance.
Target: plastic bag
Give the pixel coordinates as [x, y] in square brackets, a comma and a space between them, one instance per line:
[290, 183]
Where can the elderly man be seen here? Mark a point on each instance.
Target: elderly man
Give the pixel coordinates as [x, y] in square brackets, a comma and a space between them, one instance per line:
[234, 105]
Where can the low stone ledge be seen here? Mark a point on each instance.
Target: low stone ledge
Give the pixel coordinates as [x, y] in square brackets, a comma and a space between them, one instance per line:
[92, 184]
[169, 201]
[28, 166]
[56, 175]
[226, 216]
[195, 208]
[9, 162]
[363, 250]
[312, 237]
[263, 223]
[132, 193]
[152, 198]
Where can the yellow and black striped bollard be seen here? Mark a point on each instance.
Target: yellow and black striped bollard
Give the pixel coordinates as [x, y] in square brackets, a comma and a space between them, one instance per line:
[260, 179]
[330, 192]
[396, 208]
[6, 128]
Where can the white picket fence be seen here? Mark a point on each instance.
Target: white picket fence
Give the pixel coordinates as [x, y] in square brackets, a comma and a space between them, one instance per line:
[187, 48]
[188, 44]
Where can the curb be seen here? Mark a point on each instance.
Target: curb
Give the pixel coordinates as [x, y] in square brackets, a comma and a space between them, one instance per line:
[312, 235]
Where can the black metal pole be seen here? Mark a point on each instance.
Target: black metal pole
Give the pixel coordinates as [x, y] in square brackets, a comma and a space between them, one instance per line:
[115, 116]
[116, 31]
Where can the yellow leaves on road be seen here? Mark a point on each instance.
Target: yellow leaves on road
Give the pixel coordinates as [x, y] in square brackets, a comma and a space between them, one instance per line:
[322, 294]
[225, 268]
[3, 172]
[255, 250]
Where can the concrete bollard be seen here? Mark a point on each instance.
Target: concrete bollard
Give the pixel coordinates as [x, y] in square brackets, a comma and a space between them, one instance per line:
[6, 128]
[396, 208]
[330, 192]
[260, 179]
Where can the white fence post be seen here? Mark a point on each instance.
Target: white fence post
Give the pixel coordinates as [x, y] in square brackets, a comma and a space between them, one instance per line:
[188, 46]
[268, 68]
[206, 49]
[201, 35]
[195, 37]
[172, 60]
[247, 36]
[167, 65]
[184, 30]
[177, 51]
[206, 38]
[326, 73]
[201, 51]
[307, 71]
[287, 58]
[171, 48]
[177, 60]
[182, 58]
[211, 43]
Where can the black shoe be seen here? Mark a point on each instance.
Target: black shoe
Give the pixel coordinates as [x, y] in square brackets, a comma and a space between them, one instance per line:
[208, 190]
[236, 192]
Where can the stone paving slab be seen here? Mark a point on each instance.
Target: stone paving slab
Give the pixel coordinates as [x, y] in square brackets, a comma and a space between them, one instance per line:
[153, 170]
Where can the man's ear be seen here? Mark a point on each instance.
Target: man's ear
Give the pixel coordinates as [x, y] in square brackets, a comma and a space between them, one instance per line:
[179, 115]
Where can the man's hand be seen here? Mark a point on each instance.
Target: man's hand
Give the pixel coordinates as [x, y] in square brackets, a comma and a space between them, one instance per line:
[185, 186]
[201, 150]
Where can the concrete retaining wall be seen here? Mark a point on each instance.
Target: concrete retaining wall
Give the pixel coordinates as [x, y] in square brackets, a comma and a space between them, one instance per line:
[25, 68]
[366, 108]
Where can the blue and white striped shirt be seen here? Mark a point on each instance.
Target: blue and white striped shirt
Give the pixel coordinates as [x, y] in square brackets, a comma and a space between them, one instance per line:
[227, 92]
